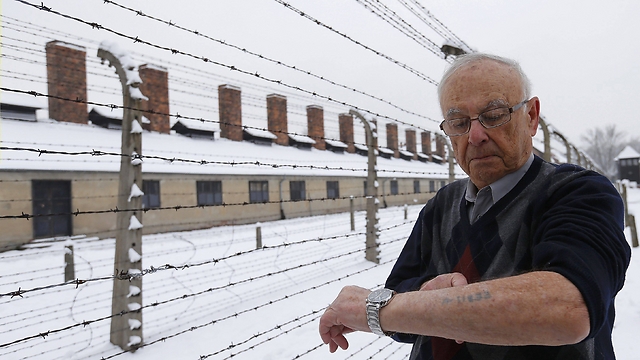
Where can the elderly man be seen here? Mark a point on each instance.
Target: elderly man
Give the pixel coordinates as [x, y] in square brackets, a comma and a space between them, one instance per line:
[522, 260]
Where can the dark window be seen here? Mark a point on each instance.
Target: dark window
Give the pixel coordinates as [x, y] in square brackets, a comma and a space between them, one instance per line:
[209, 192]
[416, 186]
[151, 197]
[258, 191]
[296, 190]
[432, 186]
[333, 190]
[394, 187]
[51, 197]
[365, 188]
[443, 183]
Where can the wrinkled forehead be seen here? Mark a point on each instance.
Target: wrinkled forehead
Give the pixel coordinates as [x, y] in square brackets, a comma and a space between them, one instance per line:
[481, 83]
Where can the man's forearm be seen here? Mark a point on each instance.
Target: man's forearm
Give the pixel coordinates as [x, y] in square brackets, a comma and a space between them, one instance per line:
[540, 307]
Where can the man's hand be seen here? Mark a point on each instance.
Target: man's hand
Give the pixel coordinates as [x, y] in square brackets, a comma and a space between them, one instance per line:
[346, 314]
[445, 281]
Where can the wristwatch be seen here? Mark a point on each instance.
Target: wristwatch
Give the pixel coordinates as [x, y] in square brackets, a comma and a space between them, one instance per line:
[375, 301]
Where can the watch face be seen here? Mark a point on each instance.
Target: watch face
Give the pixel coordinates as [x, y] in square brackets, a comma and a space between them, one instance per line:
[380, 295]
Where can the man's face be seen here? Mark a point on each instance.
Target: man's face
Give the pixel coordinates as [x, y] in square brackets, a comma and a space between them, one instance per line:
[487, 155]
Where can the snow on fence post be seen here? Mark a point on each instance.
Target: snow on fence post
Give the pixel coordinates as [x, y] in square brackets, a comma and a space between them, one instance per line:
[69, 266]
[126, 329]
[371, 249]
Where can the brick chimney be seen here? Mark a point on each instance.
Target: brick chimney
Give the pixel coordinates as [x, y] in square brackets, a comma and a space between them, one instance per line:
[392, 139]
[277, 118]
[426, 143]
[410, 138]
[315, 125]
[346, 131]
[155, 86]
[230, 110]
[440, 143]
[67, 78]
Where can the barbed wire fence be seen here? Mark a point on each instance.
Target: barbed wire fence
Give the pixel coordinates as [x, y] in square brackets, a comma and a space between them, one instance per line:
[200, 280]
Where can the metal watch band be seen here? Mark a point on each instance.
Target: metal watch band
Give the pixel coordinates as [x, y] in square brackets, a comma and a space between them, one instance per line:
[373, 318]
[375, 301]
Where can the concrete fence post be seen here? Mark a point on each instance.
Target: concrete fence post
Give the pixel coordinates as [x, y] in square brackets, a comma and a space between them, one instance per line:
[69, 266]
[126, 330]
[258, 236]
[371, 249]
[352, 213]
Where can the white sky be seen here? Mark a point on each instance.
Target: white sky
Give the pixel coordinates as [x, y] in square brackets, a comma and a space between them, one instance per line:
[578, 54]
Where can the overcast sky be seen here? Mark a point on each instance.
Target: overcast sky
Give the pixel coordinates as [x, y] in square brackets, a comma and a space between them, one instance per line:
[580, 55]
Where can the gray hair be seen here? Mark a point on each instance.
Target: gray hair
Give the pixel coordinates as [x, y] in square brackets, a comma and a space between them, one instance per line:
[464, 60]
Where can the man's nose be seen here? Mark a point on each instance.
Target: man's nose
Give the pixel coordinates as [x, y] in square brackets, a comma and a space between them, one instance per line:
[477, 133]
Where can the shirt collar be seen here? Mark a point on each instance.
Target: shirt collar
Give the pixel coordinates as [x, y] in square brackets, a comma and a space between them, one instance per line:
[502, 186]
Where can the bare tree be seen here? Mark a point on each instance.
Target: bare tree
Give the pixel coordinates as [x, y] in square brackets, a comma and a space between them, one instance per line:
[604, 144]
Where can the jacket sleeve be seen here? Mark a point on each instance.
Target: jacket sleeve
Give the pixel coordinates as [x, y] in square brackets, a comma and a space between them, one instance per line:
[580, 235]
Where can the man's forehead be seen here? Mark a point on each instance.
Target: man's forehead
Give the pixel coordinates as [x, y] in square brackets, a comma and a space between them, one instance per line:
[495, 102]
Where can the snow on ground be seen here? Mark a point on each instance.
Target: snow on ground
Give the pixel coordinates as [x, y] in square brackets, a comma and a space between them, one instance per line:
[252, 304]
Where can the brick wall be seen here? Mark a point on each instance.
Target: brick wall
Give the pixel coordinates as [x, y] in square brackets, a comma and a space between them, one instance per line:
[410, 139]
[346, 131]
[67, 78]
[155, 86]
[426, 142]
[392, 139]
[315, 125]
[277, 118]
[230, 110]
[440, 143]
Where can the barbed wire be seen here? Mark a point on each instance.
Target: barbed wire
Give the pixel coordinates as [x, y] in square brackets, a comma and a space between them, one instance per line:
[257, 335]
[121, 275]
[318, 22]
[151, 111]
[392, 18]
[263, 57]
[270, 302]
[452, 36]
[137, 39]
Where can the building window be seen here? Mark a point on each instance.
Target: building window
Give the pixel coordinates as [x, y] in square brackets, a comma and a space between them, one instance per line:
[333, 190]
[209, 192]
[297, 191]
[51, 197]
[258, 191]
[151, 197]
[365, 188]
[432, 186]
[416, 186]
[394, 187]
[443, 183]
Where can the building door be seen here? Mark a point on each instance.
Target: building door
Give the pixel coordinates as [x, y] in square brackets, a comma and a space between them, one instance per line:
[51, 197]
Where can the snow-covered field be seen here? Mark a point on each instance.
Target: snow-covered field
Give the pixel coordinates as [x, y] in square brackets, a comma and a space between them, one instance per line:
[233, 300]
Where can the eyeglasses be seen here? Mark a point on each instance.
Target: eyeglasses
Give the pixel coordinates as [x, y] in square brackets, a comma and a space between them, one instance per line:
[489, 119]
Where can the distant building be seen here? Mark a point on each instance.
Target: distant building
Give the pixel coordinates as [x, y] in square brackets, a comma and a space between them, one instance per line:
[628, 164]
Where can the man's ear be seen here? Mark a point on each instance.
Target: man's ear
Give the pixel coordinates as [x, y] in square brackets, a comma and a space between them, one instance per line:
[534, 115]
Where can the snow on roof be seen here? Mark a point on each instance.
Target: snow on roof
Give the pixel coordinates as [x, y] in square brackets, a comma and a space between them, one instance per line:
[385, 150]
[336, 143]
[628, 153]
[70, 137]
[115, 113]
[406, 153]
[361, 147]
[69, 45]
[260, 133]
[29, 101]
[302, 139]
[197, 125]
[423, 155]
